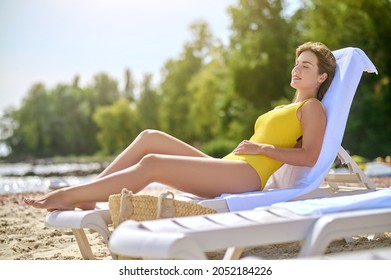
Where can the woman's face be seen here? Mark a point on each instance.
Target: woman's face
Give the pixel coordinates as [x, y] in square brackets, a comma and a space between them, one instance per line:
[305, 74]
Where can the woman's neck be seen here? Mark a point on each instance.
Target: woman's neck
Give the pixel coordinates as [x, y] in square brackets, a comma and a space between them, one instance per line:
[303, 96]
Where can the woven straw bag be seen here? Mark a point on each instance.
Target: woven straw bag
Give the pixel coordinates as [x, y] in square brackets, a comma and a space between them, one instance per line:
[126, 205]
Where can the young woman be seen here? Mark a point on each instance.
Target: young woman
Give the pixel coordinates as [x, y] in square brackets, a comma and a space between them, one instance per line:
[291, 134]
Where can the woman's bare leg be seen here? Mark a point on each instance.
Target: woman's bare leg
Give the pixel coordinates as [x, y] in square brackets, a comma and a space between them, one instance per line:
[150, 142]
[203, 176]
[147, 142]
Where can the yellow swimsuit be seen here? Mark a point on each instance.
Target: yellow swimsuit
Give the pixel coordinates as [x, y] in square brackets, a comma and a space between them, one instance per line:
[279, 127]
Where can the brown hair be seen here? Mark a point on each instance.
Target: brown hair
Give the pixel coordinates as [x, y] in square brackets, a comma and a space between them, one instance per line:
[326, 63]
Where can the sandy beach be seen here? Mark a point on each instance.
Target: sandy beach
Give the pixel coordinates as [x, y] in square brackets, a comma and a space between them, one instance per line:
[24, 236]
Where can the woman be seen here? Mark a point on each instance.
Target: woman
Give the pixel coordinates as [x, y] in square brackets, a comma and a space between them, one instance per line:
[291, 134]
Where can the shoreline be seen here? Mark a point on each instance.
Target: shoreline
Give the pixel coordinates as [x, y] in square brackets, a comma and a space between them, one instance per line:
[24, 236]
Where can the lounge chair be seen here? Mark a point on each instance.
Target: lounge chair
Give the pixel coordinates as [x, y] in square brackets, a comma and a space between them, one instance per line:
[367, 254]
[289, 182]
[317, 222]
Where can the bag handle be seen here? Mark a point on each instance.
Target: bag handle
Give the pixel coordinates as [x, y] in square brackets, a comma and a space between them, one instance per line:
[125, 206]
[165, 206]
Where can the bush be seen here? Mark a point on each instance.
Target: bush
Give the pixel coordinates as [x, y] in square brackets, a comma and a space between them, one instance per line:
[219, 148]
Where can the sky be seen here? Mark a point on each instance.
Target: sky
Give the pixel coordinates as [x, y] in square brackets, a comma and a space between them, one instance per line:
[53, 41]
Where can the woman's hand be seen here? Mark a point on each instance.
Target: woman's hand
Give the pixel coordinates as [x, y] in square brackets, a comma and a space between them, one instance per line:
[248, 148]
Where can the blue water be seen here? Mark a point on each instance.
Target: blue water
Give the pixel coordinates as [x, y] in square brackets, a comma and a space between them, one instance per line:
[13, 180]
[36, 183]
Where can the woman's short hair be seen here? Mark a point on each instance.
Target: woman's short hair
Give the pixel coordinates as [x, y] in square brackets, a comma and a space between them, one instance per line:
[326, 63]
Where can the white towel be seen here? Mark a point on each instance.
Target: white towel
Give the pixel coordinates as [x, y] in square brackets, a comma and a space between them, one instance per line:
[296, 181]
[320, 206]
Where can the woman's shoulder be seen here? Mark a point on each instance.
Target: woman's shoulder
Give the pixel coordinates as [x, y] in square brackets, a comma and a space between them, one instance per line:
[313, 103]
[313, 106]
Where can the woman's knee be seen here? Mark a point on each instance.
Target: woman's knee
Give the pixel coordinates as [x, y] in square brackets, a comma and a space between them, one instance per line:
[147, 168]
[148, 134]
[151, 162]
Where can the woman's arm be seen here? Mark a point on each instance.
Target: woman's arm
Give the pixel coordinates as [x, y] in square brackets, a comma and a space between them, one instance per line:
[313, 120]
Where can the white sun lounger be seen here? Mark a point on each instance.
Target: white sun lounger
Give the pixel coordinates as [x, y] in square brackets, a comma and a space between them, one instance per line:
[315, 221]
[289, 182]
[367, 254]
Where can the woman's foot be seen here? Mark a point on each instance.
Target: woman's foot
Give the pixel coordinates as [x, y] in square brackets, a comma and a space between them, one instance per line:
[86, 205]
[57, 200]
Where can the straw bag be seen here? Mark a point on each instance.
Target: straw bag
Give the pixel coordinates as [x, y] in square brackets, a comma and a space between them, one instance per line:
[126, 205]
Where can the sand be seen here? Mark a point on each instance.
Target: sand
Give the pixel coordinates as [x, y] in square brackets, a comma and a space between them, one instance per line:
[24, 236]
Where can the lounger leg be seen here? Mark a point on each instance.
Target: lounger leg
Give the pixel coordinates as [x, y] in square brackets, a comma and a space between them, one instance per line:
[233, 253]
[330, 227]
[83, 243]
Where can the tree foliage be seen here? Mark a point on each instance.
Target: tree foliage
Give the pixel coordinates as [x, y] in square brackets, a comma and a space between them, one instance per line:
[367, 25]
[177, 73]
[148, 105]
[211, 94]
[118, 126]
[258, 50]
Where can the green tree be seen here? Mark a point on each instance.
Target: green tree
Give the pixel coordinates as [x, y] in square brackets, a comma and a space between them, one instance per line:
[175, 103]
[258, 51]
[30, 136]
[106, 89]
[148, 104]
[367, 25]
[72, 130]
[117, 124]
[207, 89]
[8, 126]
[129, 86]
